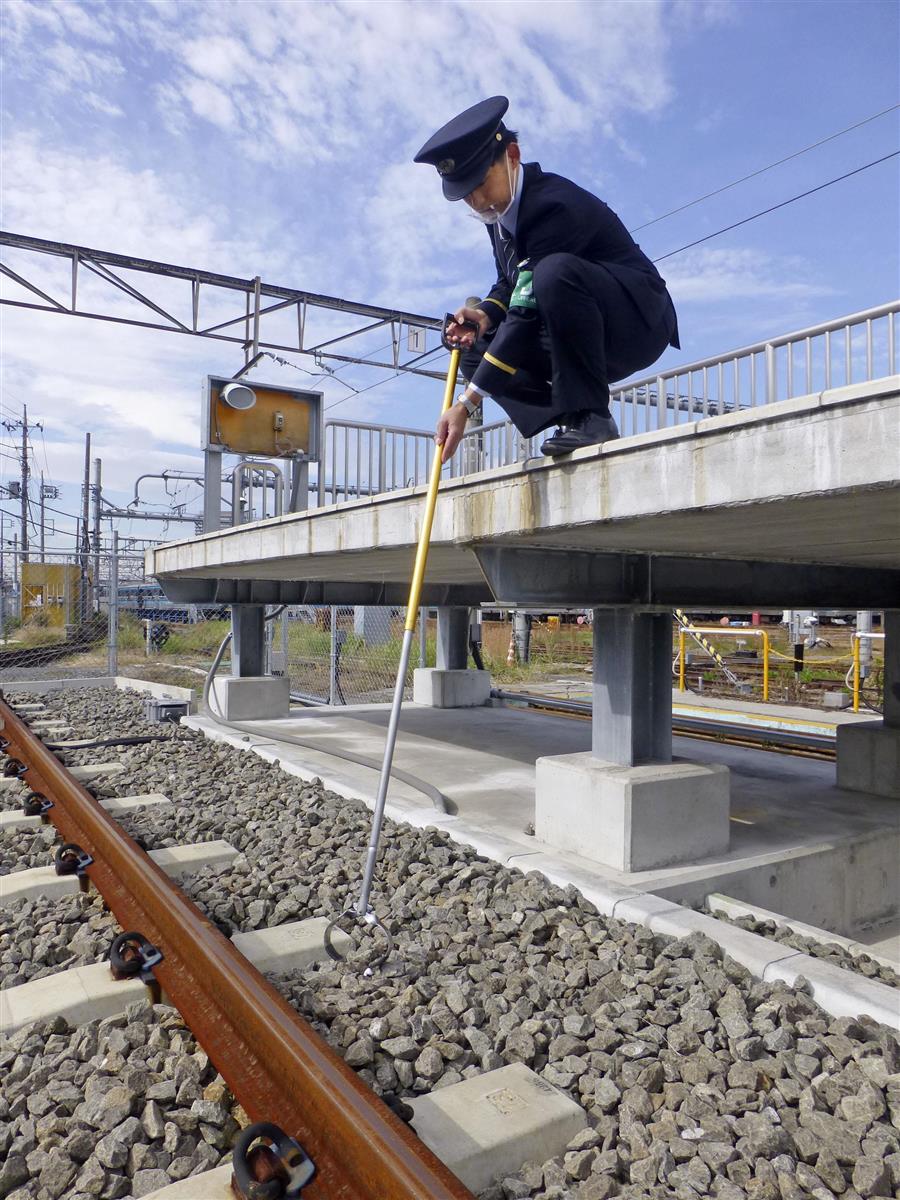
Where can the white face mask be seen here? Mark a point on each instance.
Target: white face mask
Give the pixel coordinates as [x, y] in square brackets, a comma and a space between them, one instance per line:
[492, 215]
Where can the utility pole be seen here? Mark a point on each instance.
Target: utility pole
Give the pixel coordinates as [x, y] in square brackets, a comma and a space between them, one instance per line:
[42, 517]
[85, 545]
[96, 539]
[24, 483]
[12, 426]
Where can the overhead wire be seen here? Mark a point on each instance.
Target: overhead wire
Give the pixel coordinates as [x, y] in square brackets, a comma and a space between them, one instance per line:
[775, 207]
[762, 170]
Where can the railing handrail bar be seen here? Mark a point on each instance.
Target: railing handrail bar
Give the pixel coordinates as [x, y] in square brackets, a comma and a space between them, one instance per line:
[869, 314]
[377, 428]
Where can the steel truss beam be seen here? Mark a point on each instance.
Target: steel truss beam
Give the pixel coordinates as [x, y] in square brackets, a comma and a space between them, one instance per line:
[243, 329]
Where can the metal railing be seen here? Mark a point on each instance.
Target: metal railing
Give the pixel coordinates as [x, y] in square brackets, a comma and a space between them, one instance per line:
[367, 459]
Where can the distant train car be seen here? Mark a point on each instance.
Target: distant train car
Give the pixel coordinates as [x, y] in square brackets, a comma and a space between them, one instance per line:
[148, 602]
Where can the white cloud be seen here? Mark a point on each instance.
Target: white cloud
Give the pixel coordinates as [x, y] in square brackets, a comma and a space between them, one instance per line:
[709, 276]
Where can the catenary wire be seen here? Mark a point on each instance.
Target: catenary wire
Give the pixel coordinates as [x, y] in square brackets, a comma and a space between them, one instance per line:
[762, 170]
[774, 207]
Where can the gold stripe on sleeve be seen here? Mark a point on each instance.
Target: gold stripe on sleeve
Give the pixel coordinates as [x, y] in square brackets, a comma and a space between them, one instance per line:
[499, 303]
[495, 362]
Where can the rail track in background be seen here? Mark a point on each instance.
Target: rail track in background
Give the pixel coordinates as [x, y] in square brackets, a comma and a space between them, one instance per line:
[751, 737]
[277, 1067]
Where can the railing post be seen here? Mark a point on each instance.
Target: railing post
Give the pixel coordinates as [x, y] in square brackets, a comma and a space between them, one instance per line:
[382, 454]
[681, 663]
[771, 378]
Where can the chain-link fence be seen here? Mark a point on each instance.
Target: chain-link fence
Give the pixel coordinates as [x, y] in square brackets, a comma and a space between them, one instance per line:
[76, 615]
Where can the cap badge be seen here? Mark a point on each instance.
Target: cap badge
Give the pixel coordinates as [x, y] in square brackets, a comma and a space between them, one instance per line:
[446, 165]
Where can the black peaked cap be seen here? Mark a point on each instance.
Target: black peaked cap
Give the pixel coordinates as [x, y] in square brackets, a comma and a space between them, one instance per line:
[463, 149]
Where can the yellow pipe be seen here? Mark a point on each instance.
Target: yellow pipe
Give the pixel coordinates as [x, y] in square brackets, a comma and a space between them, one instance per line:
[681, 660]
[418, 576]
[856, 672]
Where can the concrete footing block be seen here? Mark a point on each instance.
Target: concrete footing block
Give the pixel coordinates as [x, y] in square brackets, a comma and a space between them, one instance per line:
[868, 758]
[14, 819]
[485, 1128]
[252, 697]
[451, 689]
[632, 818]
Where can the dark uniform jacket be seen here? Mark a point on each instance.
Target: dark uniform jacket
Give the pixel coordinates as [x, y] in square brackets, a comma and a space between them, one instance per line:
[557, 216]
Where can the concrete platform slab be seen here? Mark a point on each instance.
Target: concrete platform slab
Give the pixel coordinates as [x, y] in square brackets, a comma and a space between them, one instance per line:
[485, 1128]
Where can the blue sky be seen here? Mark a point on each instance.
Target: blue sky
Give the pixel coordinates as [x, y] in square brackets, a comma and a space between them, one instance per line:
[276, 139]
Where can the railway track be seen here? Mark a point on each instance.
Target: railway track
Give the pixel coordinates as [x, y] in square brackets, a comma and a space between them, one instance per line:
[281, 1072]
[42, 656]
[494, 967]
[779, 741]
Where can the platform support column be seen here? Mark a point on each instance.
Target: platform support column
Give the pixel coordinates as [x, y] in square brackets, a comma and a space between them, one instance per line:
[248, 693]
[452, 639]
[627, 804]
[868, 752]
[450, 684]
[632, 721]
[248, 646]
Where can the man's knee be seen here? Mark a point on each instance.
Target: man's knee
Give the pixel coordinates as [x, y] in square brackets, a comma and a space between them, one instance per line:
[555, 275]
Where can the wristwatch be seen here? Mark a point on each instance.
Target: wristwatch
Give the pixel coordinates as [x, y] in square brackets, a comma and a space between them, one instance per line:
[469, 405]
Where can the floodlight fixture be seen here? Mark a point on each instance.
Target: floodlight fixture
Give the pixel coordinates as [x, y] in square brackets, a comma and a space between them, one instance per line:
[238, 396]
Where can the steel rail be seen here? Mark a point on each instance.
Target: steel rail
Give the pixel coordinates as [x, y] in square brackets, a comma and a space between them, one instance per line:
[756, 737]
[278, 1068]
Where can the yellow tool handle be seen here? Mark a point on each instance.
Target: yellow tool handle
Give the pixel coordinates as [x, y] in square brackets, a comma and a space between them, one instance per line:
[418, 576]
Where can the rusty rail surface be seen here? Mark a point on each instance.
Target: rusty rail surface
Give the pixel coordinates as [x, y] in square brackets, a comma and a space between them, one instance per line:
[278, 1068]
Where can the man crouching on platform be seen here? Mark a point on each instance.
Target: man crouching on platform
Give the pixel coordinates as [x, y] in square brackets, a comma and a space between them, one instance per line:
[577, 303]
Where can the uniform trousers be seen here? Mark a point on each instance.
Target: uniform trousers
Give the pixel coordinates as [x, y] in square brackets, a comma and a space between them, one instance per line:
[587, 333]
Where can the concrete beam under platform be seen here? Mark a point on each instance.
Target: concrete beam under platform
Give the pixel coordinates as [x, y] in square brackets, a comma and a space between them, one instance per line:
[814, 480]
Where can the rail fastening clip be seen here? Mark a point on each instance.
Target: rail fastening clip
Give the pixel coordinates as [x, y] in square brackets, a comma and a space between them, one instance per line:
[279, 1170]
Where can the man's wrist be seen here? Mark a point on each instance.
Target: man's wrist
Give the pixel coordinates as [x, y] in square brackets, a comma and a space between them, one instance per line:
[470, 400]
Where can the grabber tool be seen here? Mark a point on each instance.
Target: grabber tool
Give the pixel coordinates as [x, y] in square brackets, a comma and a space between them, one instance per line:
[362, 911]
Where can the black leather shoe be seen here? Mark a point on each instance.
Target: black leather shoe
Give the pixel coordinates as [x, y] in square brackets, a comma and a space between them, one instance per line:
[588, 429]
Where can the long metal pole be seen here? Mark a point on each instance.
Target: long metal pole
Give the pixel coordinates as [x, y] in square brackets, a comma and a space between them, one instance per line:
[42, 518]
[412, 609]
[96, 533]
[113, 606]
[85, 605]
[24, 497]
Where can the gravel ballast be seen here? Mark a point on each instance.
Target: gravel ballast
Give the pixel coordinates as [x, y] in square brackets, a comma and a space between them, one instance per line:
[696, 1078]
[116, 1108]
